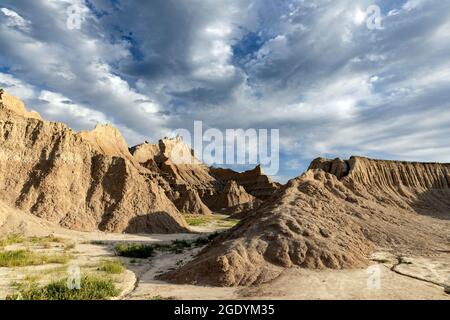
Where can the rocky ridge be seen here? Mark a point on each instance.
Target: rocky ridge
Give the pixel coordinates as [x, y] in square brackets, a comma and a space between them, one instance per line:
[333, 216]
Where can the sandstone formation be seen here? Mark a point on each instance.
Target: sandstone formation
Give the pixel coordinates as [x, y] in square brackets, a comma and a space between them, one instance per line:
[85, 181]
[333, 216]
[91, 180]
[254, 181]
[189, 202]
[233, 195]
[12, 103]
[176, 163]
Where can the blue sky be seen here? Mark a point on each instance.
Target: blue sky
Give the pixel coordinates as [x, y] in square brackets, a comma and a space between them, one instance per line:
[309, 68]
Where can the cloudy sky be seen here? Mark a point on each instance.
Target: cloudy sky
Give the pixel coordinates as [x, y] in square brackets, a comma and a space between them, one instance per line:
[313, 69]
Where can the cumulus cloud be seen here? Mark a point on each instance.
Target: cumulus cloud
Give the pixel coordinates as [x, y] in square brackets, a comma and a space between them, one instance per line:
[310, 68]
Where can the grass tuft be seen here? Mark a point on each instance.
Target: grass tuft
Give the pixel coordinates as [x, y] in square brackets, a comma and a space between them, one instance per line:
[135, 250]
[91, 288]
[11, 239]
[111, 267]
[21, 258]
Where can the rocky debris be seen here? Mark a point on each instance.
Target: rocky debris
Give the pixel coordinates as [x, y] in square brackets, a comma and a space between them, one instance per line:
[321, 221]
[87, 181]
[189, 202]
[254, 181]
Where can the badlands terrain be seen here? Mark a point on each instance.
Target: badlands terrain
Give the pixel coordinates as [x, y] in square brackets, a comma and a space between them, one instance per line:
[150, 228]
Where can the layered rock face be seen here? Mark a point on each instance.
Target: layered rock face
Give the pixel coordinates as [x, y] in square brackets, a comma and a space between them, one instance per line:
[333, 216]
[233, 195]
[216, 188]
[254, 181]
[189, 202]
[91, 180]
[85, 181]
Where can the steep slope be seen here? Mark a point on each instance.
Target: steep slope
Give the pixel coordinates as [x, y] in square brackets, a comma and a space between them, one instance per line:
[331, 217]
[81, 181]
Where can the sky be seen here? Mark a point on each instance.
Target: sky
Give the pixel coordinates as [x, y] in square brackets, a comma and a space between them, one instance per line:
[333, 86]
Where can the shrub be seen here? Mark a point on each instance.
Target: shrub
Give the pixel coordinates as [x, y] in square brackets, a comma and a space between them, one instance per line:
[135, 250]
[91, 288]
[111, 267]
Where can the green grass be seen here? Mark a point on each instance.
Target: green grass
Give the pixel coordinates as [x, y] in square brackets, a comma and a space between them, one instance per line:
[92, 288]
[218, 220]
[143, 251]
[111, 267]
[46, 240]
[21, 258]
[195, 221]
[11, 239]
[135, 250]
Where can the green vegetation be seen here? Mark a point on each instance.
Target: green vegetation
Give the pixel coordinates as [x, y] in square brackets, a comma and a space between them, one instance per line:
[196, 220]
[179, 263]
[135, 250]
[21, 258]
[91, 288]
[111, 267]
[142, 251]
[46, 240]
[16, 238]
[11, 239]
[222, 221]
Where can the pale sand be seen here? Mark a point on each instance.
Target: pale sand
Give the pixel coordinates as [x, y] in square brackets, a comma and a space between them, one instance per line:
[138, 282]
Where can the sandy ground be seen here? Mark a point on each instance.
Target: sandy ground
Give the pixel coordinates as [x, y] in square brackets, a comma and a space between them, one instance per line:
[390, 277]
[297, 283]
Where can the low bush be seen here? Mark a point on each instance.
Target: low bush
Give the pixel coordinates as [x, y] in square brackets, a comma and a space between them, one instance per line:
[91, 288]
[135, 250]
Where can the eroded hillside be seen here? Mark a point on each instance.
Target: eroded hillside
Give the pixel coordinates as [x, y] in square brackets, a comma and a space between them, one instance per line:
[333, 216]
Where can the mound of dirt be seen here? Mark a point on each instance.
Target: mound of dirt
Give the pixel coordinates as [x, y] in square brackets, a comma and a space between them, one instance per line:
[331, 217]
[14, 221]
[87, 181]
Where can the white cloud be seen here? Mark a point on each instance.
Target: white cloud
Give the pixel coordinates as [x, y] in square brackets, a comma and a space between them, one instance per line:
[332, 86]
[15, 20]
